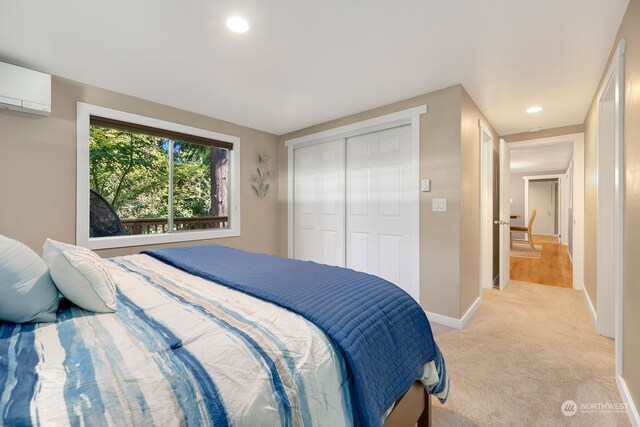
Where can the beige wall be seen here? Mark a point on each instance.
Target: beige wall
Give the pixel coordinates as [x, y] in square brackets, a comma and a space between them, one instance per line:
[38, 169]
[448, 251]
[630, 31]
[470, 199]
[545, 133]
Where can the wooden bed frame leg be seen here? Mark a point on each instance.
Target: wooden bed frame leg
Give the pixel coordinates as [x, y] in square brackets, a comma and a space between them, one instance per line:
[425, 418]
[414, 406]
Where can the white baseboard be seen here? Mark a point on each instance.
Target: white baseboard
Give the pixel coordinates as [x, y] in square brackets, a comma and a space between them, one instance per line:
[452, 322]
[626, 397]
[592, 311]
[441, 319]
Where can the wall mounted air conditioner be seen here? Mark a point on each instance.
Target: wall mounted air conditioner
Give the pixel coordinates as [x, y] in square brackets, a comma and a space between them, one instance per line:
[24, 90]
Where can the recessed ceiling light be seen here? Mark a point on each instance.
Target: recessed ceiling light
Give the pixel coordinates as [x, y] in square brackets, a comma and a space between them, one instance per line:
[536, 129]
[238, 24]
[534, 109]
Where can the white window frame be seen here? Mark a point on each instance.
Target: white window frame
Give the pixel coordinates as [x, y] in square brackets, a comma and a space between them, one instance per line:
[84, 113]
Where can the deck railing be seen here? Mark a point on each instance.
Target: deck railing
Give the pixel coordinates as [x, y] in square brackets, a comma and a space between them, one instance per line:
[160, 225]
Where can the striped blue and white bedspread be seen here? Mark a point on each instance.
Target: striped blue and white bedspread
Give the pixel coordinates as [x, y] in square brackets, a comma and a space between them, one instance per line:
[180, 350]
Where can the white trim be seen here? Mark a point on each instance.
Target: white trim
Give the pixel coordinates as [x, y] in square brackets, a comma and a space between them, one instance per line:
[387, 121]
[452, 322]
[471, 311]
[538, 177]
[526, 192]
[592, 310]
[505, 214]
[632, 409]
[620, 192]
[563, 208]
[84, 112]
[411, 117]
[614, 76]
[290, 200]
[171, 206]
[414, 202]
[485, 279]
[551, 140]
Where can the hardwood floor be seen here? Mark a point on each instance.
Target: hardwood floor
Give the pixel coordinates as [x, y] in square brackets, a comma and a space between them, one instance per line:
[553, 268]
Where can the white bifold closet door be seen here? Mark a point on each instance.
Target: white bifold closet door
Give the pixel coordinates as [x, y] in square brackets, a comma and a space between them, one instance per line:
[378, 225]
[352, 205]
[319, 203]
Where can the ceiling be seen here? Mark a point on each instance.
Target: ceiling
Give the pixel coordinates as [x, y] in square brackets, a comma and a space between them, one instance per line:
[541, 158]
[306, 62]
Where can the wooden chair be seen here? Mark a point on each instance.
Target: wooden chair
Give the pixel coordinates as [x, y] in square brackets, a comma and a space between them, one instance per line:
[526, 229]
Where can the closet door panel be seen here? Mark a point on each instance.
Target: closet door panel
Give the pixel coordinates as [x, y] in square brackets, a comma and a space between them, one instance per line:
[358, 255]
[389, 257]
[378, 223]
[362, 208]
[319, 203]
[390, 191]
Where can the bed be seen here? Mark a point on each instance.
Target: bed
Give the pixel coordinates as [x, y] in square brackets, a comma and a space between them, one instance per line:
[183, 349]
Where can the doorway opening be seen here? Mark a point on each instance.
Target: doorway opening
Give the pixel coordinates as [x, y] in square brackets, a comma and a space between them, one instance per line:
[548, 196]
[546, 202]
[539, 213]
[543, 197]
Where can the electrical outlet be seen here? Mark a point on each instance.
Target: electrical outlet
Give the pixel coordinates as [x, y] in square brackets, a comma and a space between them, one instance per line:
[425, 185]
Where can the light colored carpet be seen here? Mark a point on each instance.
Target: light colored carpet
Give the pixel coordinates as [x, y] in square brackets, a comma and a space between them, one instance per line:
[522, 249]
[527, 349]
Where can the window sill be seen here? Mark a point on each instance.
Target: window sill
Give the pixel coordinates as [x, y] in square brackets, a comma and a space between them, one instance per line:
[153, 239]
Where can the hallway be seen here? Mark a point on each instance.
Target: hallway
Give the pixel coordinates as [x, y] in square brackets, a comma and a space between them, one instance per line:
[554, 267]
[528, 349]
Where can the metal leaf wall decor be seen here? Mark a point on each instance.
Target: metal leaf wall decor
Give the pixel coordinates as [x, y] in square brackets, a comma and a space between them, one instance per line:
[260, 179]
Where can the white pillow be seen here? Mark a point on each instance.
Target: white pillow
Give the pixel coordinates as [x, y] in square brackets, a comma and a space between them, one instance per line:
[27, 293]
[81, 276]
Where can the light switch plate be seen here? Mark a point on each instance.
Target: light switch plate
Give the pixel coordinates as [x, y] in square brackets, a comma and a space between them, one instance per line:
[425, 185]
[439, 205]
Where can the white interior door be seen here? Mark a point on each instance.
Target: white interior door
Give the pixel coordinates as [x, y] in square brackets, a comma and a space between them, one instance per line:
[486, 209]
[505, 214]
[319, 222]
[378, 200]
[542, 198]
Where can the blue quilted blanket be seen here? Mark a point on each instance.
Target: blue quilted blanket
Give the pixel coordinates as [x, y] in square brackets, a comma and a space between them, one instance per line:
[383, 333]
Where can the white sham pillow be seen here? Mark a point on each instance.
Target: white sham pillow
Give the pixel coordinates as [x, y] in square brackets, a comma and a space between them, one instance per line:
[81, 276]
[27, 293]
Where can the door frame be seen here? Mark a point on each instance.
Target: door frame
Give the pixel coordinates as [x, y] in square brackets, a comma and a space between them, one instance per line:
[577, 139]
[409, 116]
[485, 140]
[528, 179]
[565, 203]
[505, 215]
[614, 78]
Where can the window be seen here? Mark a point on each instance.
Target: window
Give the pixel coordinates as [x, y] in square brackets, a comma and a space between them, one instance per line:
[143, 181]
